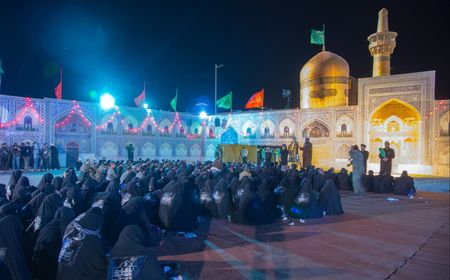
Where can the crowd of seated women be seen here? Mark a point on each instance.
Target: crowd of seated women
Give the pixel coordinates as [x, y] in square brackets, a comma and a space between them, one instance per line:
[105, 221]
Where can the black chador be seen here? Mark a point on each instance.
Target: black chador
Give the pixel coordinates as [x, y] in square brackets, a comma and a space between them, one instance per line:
[222, 199]
[250, 210]
[48, 244]
[82, 256]
[13, 264]
[132, 257]
[174, 210]
[330, 199]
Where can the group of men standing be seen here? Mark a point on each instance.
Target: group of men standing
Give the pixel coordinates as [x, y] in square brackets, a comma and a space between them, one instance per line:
[358, 157]
[284, 154]
[28, 156]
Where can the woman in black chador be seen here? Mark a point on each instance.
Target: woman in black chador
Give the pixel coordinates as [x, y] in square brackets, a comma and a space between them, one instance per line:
[82, 256]
[47, 210]
[46, 179]
[222, 199]
[383, 183]
[330, 199]
[54, 160]
[176, 207]
[133, 211]
[207, 200]
[265, 192]
[13, 264]
[345, 183]
[306, 205]
[48, 244]
[404, 185]
[33, 205]
[132, 257]
[250, 210]
[22, 192]
[13, 179]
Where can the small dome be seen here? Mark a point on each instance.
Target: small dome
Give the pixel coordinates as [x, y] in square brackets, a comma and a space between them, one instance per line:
[324, 64]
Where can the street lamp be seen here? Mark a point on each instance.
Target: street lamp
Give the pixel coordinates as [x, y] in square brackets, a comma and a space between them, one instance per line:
[215, 86]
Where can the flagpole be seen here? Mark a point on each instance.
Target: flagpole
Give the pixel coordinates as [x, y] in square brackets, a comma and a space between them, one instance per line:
[323, 30]
[215, 89]
[215, 86]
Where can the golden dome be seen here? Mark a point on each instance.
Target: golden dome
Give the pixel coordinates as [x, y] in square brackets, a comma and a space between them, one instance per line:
[324, 64]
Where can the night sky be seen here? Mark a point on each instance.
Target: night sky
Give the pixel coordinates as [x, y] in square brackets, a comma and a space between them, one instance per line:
[117, 45]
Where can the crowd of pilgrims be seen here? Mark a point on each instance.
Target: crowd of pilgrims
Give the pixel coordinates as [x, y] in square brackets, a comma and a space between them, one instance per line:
[105, 221]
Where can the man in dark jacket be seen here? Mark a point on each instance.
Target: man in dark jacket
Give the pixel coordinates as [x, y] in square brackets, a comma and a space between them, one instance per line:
[365, 156]
[284, 155]
[307, 153]
[386, 159]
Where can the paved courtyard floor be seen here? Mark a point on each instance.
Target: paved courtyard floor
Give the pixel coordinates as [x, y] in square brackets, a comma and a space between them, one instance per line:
[373, 239]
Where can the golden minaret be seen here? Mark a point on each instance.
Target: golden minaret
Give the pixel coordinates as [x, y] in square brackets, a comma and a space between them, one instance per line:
[381, 46]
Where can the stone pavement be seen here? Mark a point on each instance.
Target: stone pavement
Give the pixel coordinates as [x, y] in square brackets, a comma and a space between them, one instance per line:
[373, 239]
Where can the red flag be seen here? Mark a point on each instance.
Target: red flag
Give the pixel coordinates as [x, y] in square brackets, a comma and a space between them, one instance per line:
[256, 101]
[140, 98]
[58, 88]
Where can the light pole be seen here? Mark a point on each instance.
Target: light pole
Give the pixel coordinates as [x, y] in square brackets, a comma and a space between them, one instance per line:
[215, 86]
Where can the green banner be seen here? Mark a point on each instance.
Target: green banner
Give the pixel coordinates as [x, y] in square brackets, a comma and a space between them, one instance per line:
[226, 101]
[317, 37]
[173, 103]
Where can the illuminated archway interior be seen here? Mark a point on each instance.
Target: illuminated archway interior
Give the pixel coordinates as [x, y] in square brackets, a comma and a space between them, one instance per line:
[399, 124]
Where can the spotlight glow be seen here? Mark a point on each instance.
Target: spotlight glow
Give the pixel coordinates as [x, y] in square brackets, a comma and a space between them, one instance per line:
[145, 106]
[107, 101]
[203, 115]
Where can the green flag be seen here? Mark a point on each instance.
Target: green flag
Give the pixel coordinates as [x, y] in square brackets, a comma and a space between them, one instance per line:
[173, 103]
[226, 101]
[317, 37]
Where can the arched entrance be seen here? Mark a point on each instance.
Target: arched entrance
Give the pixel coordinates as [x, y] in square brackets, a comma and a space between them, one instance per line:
[72, 153]
[230, 136]
[72, 128]
[398, 123]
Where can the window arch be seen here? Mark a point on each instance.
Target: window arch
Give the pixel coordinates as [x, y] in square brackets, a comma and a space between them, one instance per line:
[316, 129]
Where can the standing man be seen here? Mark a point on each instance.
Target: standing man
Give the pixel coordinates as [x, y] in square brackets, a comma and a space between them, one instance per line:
[16, 156]
[268, 155]
[217, 153]
[4, 157]
[358, 169]
[284, 155]
[386, 159]
[45, 153]
[36, 152]
[365, 154]
[22, 156]
[27, 156]
[244, 155]
[54, 157]
[130, 150]
[307, 153]
[293, 147]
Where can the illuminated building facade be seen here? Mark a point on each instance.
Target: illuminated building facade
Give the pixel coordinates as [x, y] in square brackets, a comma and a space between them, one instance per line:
[336, 112]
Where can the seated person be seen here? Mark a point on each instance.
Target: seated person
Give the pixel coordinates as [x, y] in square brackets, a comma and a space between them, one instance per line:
[383, 183]
[404, 185]
[133, 249]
